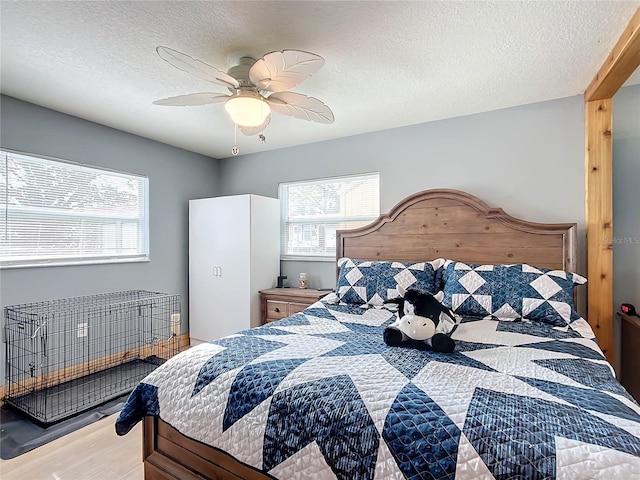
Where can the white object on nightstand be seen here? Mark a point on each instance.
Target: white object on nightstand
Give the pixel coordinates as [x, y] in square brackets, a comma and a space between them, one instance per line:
[234, 251]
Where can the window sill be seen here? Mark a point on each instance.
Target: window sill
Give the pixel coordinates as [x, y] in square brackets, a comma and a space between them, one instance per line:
[76, 263]
[295, 258]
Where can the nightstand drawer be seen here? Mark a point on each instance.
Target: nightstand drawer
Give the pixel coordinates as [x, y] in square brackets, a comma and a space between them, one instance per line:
[296, 307]
[279, 303]
[276, 310]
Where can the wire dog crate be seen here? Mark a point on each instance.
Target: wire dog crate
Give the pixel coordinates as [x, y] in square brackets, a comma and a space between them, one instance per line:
[66, 356]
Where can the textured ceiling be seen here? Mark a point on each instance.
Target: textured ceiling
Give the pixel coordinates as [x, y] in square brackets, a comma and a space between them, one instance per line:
[388, 64]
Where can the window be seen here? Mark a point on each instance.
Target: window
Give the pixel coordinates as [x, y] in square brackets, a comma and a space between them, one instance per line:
[54, 212]
[313, 210]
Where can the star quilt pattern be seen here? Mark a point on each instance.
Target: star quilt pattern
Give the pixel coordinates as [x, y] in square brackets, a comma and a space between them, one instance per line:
[373, 282]
[511, 292]
[319, 395]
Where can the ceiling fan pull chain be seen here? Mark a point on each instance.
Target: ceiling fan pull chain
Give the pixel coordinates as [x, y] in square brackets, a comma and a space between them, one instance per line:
[235, 150]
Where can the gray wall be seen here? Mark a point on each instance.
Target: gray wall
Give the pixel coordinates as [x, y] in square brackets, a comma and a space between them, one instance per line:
[529, 160]
[626, 196]
[175, 176]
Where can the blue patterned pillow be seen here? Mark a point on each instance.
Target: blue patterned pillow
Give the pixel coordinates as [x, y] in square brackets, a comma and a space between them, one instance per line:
[373, 282]
[508, 292]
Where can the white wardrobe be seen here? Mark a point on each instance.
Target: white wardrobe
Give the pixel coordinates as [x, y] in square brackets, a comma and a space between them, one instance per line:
[234, 251]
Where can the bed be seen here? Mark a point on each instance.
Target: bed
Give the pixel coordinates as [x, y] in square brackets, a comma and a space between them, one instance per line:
[526, 393]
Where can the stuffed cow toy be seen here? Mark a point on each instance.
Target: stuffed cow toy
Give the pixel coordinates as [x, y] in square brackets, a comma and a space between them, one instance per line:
[423, 322]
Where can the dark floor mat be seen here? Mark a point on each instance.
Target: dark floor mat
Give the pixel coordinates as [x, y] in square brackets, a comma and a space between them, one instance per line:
[19, 434]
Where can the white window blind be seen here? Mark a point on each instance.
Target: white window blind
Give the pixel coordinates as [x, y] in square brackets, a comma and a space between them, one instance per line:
[313, 210]
[54, 212]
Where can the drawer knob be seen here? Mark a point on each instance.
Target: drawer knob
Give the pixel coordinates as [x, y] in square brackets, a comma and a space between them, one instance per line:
[277, 310]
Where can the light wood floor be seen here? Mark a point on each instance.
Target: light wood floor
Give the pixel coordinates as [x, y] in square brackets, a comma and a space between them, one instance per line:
[94, 452]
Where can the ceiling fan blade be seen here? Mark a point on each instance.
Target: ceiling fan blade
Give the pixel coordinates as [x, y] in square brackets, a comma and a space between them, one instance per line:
[192, 99]
[280, 71]
[195, 67]
[300, 106]
[248, 131]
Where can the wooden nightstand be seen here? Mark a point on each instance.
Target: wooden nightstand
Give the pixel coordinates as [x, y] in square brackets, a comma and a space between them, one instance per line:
[630, 353]
[278, 303]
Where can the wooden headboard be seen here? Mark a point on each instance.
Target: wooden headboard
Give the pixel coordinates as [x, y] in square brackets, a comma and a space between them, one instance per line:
[452, 224]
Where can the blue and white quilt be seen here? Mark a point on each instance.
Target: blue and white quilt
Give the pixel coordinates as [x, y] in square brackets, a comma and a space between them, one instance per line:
[319, 395]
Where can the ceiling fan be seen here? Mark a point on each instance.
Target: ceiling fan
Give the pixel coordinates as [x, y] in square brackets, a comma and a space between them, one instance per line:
[257, 87]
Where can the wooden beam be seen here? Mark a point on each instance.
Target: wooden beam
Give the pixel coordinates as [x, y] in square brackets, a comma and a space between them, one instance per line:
[599, 219]
[623, 60]
[619, 65]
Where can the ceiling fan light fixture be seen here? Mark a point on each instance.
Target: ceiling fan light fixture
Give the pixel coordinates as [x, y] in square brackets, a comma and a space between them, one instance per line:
[247, 109]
